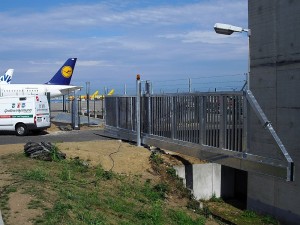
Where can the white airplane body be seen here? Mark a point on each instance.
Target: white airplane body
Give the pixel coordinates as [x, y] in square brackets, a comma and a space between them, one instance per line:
[35, 89]
[59, 84]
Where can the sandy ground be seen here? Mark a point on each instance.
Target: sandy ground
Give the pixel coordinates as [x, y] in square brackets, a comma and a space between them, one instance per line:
[121, 157]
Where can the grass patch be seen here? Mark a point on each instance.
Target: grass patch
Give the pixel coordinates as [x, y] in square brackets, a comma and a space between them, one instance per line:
[72, 192]
[237, 216]
[180, 217]
[37, 174]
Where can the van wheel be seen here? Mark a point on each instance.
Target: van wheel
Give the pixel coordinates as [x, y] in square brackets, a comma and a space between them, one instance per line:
[21, 129]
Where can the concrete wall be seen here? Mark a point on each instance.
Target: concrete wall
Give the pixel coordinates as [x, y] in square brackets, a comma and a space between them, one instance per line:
[275, 82]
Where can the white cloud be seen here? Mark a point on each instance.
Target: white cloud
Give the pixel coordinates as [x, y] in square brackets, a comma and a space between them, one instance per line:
[113, 36]
[93, 63]
[208, 37]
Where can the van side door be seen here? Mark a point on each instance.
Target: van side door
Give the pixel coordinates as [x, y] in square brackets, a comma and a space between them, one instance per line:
[6, 112]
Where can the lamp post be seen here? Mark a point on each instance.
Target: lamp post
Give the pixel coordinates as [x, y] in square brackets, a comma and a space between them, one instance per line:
[88, 100]
[228, 29]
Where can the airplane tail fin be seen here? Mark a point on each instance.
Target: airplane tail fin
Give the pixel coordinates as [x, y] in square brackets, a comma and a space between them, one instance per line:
[95, 93]
[112, 91]
[93, 96]
[6, 78]
[64, 74]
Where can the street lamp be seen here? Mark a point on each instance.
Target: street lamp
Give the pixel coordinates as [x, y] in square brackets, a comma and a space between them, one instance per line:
[87, 84]
[228, 29]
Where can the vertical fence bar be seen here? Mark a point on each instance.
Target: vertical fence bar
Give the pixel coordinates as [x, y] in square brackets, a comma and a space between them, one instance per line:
[208, 126]
[153, 115]
[222, 122]
[203, 116]
[185, 120]
[175, 115]
[156, 117]
[215, 123]
[232, 123]
[236, 124]
[161, 125]
[163, 115]
[169, 111]
[193, 102]
[211, 121]
[178, 102]
[239, 124]
[149, 112]
[117, 111]
[131, 113]
[245, 124]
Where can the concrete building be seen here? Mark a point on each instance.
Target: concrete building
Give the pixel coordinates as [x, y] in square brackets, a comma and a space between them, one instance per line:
[275, 82]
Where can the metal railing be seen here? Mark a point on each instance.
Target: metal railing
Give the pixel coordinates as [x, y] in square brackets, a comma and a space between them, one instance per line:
[211, 119]
[211, 126]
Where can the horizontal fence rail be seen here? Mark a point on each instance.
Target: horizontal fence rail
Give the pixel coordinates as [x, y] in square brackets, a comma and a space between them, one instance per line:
[215, 123]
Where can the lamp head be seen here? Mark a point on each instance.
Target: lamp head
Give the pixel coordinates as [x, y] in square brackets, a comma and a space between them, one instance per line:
[226, 29]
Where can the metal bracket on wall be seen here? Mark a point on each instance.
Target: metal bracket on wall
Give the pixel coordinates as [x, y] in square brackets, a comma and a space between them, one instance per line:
[267, 125]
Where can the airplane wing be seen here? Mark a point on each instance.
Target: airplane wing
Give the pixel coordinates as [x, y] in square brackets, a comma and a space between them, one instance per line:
[68, 90]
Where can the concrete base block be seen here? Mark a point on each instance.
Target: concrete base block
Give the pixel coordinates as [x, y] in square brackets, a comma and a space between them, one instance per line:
[203, 179]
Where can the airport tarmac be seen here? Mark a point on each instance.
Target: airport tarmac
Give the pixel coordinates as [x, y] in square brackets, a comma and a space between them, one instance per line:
[94, 106]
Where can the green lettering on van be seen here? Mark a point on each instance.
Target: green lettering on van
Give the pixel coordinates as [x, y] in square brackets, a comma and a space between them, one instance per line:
[22, 116]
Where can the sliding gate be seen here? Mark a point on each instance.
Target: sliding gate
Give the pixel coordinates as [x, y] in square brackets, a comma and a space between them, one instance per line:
[210, 126]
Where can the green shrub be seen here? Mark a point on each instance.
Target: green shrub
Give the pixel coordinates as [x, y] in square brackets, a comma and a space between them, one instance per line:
[156, 158]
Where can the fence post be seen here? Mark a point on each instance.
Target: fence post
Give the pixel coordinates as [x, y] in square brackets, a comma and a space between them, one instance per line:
[149, 113]
[88, 100]
[75, 115]
[138, 110]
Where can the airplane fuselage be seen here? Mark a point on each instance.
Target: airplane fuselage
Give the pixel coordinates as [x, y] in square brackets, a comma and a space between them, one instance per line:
[34, 89]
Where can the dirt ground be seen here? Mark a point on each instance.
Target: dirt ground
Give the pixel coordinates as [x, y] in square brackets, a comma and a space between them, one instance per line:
[121, 157]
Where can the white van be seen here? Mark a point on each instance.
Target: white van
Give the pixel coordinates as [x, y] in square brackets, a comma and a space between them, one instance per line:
[23, 114]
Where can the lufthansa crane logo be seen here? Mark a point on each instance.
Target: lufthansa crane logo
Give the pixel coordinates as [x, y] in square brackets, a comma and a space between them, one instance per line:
[67, 71]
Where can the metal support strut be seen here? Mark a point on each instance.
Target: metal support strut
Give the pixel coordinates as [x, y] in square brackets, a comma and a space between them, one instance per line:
[267, 125]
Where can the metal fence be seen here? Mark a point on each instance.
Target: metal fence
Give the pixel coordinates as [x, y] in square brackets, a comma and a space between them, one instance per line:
[211, 126]
[210, 119]
[94, 108]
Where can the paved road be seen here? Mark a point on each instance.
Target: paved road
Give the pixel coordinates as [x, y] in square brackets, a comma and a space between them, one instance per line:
[60, 136]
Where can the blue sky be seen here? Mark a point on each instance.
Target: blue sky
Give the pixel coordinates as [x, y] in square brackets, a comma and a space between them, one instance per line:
[166, 41]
